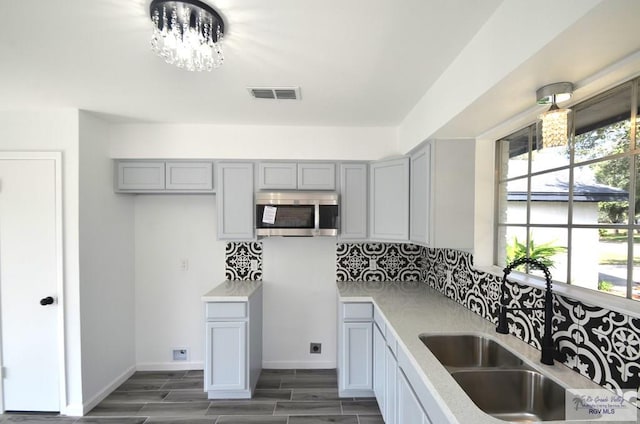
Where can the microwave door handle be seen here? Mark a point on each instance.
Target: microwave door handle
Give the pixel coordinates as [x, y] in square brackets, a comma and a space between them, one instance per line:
[316, 217]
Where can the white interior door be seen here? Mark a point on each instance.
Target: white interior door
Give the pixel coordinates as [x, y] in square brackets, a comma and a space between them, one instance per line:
[29, 275]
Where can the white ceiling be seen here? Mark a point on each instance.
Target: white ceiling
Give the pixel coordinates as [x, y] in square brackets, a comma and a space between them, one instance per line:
[358, 62]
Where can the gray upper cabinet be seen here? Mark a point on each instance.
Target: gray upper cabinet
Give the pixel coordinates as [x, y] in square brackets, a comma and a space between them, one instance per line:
[277, 175]
[189, 175]
[159, 176]
[353, 201]
[442, 194]
[139, 175]
[296, 176]
[389, 200]
[421, 195]
[234, 200]
[316, 176]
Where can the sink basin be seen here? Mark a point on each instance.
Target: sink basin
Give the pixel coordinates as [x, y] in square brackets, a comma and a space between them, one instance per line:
[514, 395]
[464, 351]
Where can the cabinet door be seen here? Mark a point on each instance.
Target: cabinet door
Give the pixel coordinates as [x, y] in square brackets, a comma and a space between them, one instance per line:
[389, 201]
[358, 356]
[189, 176]
[226, 356]
[316, 176]
[234, 200]
[379, 374]
[391, 379]
[353, 201]
[420, 195]
[408, 407]
[139, 176]
[277, 175]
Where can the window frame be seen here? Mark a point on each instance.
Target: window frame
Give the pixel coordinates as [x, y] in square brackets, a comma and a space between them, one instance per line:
[633, 153]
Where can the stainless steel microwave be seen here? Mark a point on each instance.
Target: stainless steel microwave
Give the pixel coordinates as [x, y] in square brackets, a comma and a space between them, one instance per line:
[297, 213]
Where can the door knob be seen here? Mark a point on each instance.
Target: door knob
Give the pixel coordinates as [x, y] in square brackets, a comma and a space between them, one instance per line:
[46, 301]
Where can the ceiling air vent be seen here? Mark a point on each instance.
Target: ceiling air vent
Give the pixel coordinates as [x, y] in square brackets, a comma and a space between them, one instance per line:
[275, 93]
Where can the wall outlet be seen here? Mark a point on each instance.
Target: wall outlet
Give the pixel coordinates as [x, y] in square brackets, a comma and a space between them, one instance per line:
[254, 264]
[180, 354]
[373, 264]
[315, 348]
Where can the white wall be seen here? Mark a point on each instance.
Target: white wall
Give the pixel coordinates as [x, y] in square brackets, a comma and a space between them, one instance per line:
[106, 268]
[252, 142]
[300, 299]
[57, 130]
[168, 310]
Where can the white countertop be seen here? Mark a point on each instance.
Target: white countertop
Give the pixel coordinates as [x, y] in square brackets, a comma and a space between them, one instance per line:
[414, 308]
[232, 291]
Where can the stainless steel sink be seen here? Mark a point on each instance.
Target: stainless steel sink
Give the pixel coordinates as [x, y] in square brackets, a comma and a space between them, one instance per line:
[514, 395]
[465, 351]
[496, 380]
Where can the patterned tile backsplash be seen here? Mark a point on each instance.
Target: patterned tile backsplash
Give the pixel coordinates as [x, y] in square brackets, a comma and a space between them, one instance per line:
[600, 344]
[238, 257]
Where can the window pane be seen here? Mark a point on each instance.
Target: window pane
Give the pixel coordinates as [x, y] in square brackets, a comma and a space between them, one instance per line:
[635, 285]
[512, 203]
[549, 245]
[511, 244]
[549, 198]
[599, 260]
[514, 154]
[548, 157]
[600, 192]
[602, 125]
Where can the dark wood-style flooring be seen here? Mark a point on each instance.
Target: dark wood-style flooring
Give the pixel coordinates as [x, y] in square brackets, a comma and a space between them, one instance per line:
[177, 397]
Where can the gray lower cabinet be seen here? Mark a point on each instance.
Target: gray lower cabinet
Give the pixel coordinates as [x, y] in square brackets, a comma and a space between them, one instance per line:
[389, 200]
[233, 351]
[409, 409]
[234, 200]
[355, 350]
[379, 370]
[353, 201]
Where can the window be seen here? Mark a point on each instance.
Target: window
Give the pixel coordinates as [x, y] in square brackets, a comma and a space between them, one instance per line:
[576, 207]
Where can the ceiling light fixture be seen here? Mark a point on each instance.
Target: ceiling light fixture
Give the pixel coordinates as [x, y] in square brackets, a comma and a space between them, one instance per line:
[187, 33]
[555, 120]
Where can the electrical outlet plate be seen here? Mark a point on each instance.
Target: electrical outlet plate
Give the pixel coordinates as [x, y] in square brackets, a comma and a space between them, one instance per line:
[180, 354]
[315, 348]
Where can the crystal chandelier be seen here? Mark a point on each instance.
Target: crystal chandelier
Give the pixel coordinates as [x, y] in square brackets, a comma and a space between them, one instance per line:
[555, 120]
[187, 33]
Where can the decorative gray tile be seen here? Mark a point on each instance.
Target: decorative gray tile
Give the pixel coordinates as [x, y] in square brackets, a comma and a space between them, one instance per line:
[323, 419]
[325, 372]
[360, 407]
[271, 394]
[370, 419]
[271, 371]
[177, 420]
[315, 394]
[111, 420]
[242, 407]
[118, 409]
[137, 397]
[308, 408]
[309, 382]
[195, 373]
[186, 396]
[162, 375]
[37, 419]
[186, 383]
[136, 385]
[256, 419]
[172, 409]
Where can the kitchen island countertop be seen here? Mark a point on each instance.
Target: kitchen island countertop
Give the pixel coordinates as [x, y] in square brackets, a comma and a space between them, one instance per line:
[232, 291]
[412, 308]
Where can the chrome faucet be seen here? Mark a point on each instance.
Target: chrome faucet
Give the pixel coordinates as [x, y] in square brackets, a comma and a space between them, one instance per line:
[548, 349]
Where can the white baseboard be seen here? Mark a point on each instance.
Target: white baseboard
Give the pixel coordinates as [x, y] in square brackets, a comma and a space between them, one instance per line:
[284, 365]
[170, 366]
[99, 397]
